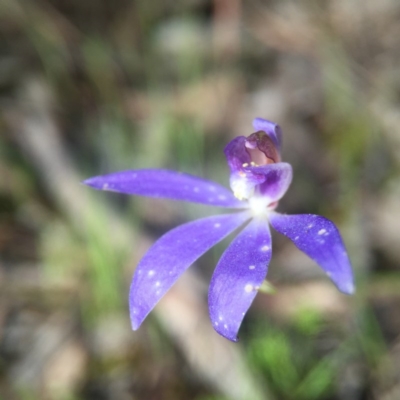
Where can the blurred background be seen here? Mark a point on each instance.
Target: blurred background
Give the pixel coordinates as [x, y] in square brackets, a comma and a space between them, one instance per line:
[90, 87]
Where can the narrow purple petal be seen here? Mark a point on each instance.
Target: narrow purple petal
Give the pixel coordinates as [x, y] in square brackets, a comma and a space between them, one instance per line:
[171, 255]
[277, 180]
[166, 184]
[272, 130]
[319, 238]
[239, 273]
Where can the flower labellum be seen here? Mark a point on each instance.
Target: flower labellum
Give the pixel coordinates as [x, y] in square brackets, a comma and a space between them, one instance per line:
[258, 181]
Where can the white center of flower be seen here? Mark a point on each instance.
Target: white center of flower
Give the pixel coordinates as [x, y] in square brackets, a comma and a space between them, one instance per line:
[241, 189]
[259, 206]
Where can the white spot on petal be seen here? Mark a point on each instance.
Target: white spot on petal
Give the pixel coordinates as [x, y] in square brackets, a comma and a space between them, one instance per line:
[252, 266]
[196, 190]
[321, 231]
[217, 225]
[211, 188]
[151, 273]
[265, 248]
[221, 197]
[220, 317]
[225, 326]
[105, 186]
[216, 323]
[310, 226]
[248, 288]
[158, 283]
[296, 238]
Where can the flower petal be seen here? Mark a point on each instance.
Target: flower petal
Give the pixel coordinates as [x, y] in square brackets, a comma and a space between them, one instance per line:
[243, 183]
[166, 184]
[236, 154]
[270, 181]
[319, 238]
[257, 149]
[272, 130]
[239, 273]
[171, 255]
[277, 180]
[262, 149]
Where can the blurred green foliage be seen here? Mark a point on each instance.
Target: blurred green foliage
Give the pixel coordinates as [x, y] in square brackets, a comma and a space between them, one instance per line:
[139, 84]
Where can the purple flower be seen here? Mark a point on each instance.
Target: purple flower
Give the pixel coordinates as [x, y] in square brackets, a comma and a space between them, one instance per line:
[258, 180]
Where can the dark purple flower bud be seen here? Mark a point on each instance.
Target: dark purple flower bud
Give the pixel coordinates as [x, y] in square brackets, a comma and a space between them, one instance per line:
[247, 158]
[255, 150]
